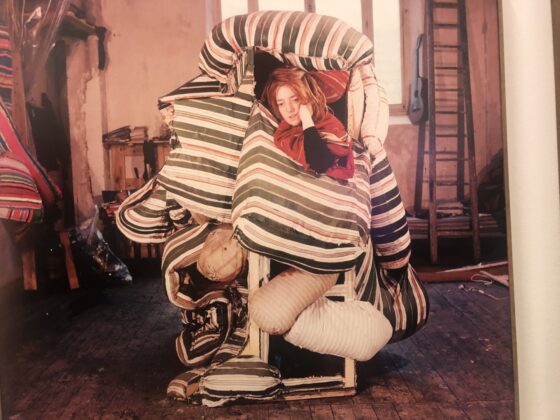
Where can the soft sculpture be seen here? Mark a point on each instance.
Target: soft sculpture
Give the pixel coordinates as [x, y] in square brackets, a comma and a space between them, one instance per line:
[347, 329]
[275, 306]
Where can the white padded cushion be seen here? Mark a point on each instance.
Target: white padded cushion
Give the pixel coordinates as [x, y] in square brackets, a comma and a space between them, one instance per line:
[275, 306]
[347, 329]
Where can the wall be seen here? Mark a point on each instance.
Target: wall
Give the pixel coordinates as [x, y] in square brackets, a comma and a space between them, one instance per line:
[484, 56]
[151, 48]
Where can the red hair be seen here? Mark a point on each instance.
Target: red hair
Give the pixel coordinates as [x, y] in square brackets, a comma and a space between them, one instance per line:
[304, 86]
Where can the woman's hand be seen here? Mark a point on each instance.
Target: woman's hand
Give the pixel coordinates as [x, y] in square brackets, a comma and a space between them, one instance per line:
[306, 115]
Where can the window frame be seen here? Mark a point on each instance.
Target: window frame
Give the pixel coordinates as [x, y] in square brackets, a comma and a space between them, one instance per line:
[367, 29]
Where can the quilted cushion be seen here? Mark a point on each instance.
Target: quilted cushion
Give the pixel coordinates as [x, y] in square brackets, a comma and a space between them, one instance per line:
[243, 376]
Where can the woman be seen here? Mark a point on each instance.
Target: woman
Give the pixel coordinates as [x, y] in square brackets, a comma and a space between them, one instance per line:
[308, 132]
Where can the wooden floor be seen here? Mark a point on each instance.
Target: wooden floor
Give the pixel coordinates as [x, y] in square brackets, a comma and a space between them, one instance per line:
[109, 354]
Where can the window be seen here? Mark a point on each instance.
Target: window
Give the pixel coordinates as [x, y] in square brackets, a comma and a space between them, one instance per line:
[380, 20]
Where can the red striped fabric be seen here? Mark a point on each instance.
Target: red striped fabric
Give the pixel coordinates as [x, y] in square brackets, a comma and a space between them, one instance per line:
[19, 198]
[333, 83]
[9, 140]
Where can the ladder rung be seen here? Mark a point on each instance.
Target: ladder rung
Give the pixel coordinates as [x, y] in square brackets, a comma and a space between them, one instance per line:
[441, 152]
[448, 68]
[445, 5]
[446, 25]
[451, 159]
[450, 112]
[448, 135]
[448, 90]
[450, 183]
[451, 46]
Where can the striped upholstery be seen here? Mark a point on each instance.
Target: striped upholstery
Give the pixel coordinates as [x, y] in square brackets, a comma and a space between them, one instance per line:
[6, 67]
[305, 40]
[227, 169]
[200, 174]
[204, 330]
[389, 228]
[9, 141]
[241, 377]
[143, 216]
[201, 86]
[280, 210]
[404, 302]
[333, 83]
[19, 198]
[185, 385]
[24, 184]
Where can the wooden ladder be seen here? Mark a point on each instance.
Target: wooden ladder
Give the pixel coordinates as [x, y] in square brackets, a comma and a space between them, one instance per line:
[451, 147]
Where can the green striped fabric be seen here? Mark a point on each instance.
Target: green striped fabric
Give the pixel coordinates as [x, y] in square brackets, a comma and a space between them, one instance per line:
[403, 300]
[142, 217]
[305, 40]
[213, 333]
[180, 251]
[201, 86]
[280, 210]
[200, 174]
[243, 376]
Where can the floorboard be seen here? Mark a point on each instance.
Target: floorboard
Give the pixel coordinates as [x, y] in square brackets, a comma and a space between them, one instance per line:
[108, 353]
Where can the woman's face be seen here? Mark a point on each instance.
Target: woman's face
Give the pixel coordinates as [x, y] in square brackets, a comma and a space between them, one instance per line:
[288, 104]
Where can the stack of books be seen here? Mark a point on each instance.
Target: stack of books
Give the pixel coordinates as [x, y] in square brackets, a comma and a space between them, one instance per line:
[120, 135]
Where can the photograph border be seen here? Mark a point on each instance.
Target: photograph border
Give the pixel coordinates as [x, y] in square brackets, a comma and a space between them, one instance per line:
[532, 185]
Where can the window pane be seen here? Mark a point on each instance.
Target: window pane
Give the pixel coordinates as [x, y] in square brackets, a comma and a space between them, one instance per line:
[387, 47]
[233, 8]
[296, 5]
[351, 12]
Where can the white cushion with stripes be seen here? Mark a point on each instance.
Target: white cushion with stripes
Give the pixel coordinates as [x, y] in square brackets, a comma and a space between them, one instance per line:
[240, 377]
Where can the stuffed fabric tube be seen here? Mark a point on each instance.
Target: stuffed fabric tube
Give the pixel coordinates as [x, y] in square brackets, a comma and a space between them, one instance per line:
[275, 306]
[347, 329]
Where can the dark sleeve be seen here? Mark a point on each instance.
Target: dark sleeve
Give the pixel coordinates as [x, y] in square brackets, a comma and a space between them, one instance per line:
[317, 153]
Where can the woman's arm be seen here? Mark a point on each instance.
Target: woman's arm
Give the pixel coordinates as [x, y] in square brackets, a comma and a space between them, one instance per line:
[317, 153]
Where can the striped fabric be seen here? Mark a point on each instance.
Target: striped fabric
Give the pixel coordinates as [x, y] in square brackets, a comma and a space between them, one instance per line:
[9, 141]
[181, 250]
[19, 198]
[200, 174]
[6, 67]
[403, 300]
[227, 170]
[245, 377]
[204, 330]
[24, 184]
[389, 228]
[280, 210]
[143, 217]
[185, 385]
[214, 332]
[305, 40]
[201, 86]
[333, 83]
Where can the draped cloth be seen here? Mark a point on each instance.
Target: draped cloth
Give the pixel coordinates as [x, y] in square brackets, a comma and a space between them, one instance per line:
[290, 139]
